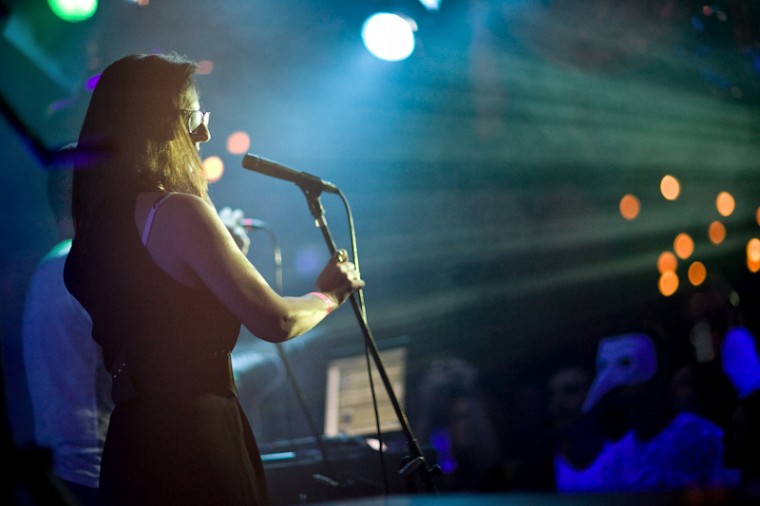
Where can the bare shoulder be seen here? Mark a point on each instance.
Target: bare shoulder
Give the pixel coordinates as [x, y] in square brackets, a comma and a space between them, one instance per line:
[179, 208]
[185, 233]
[192, 206]
[181, 217]
[193, 219]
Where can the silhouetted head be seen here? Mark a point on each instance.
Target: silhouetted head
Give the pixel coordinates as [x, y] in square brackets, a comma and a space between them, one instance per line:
[636, 358]
[140, 112]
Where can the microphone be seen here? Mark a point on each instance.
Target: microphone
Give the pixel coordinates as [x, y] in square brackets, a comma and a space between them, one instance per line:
[304, 180]
[253, 224]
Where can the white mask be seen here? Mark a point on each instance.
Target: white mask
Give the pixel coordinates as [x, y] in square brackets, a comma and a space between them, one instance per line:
[627, 359]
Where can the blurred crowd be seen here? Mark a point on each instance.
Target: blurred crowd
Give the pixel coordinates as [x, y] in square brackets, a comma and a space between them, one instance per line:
[667, 406]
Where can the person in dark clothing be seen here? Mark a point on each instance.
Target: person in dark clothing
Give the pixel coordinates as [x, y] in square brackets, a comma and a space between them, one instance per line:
[740, 361]
[167, 289]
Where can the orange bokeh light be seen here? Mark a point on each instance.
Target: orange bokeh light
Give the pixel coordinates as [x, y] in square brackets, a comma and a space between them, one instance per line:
[683, 245]
[238, 143]
[214, 168]
[725, 203]
[629, 207]
[670, 187]
[716, 232]
[753, 250]
[668, 283]
[667, 261]
[697, 273]
[757, 216]
[753, 255]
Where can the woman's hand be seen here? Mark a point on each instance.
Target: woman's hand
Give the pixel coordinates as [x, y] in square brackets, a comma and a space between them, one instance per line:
[339, 278]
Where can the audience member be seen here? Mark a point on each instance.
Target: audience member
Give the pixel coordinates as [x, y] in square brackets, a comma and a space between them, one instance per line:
[709, 311]
[566, 390]
[741, 364]
[453, 420]
[68, 384]
[661, 449]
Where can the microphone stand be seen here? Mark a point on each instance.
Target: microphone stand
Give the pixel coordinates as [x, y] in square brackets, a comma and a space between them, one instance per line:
[413, 464]
[329, 478]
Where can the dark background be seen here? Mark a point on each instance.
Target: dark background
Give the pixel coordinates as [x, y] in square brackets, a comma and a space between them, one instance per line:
[484, 173]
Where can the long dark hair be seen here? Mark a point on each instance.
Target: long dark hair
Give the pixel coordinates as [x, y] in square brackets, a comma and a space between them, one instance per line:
[135, 113]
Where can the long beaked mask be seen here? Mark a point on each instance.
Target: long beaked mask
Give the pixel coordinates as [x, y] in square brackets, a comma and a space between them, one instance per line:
[628, 359]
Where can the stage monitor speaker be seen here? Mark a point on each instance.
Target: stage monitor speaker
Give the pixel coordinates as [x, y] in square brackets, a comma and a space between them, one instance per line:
[297, 473]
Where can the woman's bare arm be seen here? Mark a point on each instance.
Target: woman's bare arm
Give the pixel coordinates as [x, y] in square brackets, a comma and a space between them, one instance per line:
[192, 244]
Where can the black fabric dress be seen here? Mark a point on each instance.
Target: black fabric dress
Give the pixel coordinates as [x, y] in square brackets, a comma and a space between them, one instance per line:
[178, 434]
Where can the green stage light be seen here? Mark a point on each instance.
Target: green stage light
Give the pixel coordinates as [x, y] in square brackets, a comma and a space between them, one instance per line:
[73, 10]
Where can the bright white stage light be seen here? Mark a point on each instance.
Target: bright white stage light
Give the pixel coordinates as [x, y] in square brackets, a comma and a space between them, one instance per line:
[431, 5]
[389, 36]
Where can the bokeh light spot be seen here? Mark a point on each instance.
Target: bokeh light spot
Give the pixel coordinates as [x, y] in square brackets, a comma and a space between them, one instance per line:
[667, 261]
[753, 250]
[308, 261]
[668, 283]
[697, 273]
[757, 216]
[629, 207]
[716, 232]
[73, 10]
[725, 203]
[60, 105]
[214, 168]
[205, 67]
[92, 81]
[683, 245]
[753, 255]
[238, 143]
[389, 36]
[670, 187]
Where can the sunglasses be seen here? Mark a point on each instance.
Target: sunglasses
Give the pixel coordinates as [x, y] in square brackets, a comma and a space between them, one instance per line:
[195, 119]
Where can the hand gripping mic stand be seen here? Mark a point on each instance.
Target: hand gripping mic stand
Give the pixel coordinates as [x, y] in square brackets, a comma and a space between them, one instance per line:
[413, 464]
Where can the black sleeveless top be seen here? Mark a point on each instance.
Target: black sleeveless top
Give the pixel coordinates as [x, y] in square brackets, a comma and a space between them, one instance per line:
[177, 434]
[158, 336]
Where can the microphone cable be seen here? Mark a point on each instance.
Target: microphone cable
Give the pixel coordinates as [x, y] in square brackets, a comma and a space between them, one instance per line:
[363, 311]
